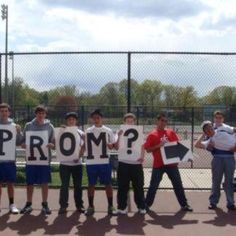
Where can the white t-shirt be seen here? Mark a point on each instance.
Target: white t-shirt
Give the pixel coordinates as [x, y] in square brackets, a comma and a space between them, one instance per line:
[81, 143]
[96, 140]
[222, 140]
[225, 128]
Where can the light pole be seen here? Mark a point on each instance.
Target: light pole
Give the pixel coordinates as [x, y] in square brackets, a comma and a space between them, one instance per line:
[11, 57]
[4, 10]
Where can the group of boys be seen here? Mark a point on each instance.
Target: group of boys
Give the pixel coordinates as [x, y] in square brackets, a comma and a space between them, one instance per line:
[98, 166]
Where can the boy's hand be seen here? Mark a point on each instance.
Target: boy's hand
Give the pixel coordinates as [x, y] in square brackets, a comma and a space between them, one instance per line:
[233, 149]
[18, 129]
[23, 145]
[120, 132]
[110, 145]
[210, 146]
[50, 145]
[141, 160]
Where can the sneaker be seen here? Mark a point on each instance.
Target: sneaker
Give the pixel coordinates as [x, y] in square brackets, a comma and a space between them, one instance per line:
[46, 210]
[212, 206]
[26, 210]
[90, 211]
[122, 212]
[186, 208]
[112, 211]
[81, 209]
[142, 211]
[13, 209]
[62, 210]
[231, 208]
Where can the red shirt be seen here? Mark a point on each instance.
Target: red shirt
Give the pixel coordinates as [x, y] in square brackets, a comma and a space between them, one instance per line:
[154, 138]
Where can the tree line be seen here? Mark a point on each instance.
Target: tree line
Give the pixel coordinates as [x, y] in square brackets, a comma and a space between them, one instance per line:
[145, 93]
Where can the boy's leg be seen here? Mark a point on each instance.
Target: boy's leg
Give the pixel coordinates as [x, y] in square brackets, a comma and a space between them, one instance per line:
[77, 173]
[217, 170]
[44, 192]
[29, 191]
[0, 193]
[64, 172]
[30, 179]
[175, 178]
[91, 190]
[138, 183]
[10, 191]
[228, 182]
[123, 185]
[156, 178]
[92, 172]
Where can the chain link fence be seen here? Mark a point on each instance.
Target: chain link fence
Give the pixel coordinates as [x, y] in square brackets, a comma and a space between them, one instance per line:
[188, 87]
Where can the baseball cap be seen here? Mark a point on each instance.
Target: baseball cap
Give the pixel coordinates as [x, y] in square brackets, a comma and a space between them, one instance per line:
[71, 114]
[96, 112]
[205, 123]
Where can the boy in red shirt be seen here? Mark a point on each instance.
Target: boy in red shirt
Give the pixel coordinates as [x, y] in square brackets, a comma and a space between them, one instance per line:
[155, 140]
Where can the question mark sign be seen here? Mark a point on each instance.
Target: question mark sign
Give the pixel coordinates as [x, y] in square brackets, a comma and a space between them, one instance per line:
[130, 140]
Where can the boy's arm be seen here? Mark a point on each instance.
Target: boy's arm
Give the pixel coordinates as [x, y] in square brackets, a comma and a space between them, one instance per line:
[117, 143]
[142, 154]
[19, 135]
[199, 144]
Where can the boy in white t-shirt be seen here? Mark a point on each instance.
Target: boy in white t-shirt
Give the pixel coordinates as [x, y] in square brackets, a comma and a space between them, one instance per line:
[72, 168]
[98, 139]
[222, 146]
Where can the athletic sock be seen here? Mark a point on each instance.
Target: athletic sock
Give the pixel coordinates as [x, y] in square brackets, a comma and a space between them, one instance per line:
[11, 200]
[110, 201]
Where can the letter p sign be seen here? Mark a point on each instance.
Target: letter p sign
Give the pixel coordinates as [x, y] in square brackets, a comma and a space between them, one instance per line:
[5, 135]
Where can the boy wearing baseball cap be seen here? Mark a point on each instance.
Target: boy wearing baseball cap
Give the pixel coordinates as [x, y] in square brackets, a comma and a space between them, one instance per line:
[72, 169]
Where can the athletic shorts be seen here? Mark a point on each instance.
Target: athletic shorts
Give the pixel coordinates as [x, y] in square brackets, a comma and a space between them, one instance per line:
[7, 172]
[36, 174]
[99, 172]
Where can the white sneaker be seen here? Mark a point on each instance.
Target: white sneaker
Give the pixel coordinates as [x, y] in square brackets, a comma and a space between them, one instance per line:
[142, 211]
[122, 212]
[13, 209]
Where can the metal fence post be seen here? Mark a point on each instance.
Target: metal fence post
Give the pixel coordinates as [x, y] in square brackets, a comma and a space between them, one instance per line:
[129, 82]
[192, 136]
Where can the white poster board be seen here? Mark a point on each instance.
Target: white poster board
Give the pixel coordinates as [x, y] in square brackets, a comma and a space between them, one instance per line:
[175, 152]
[37, 152]
[7, 142]
[67, 143]
[96, 141]
[130, 143]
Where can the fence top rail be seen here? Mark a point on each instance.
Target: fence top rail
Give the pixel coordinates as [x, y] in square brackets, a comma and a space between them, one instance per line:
[121, 52]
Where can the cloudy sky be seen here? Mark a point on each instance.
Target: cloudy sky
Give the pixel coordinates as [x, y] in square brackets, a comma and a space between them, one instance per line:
[153, 25]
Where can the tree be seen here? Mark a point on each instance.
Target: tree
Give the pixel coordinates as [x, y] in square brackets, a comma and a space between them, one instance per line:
[67, 90]
[222, 95]
[123, 90]
[149, 93]
[110, 95]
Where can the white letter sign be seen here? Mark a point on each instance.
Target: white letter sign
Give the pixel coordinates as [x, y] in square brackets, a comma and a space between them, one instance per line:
[37, 152]
[67, 143]
[7, 142]
[131, 142]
